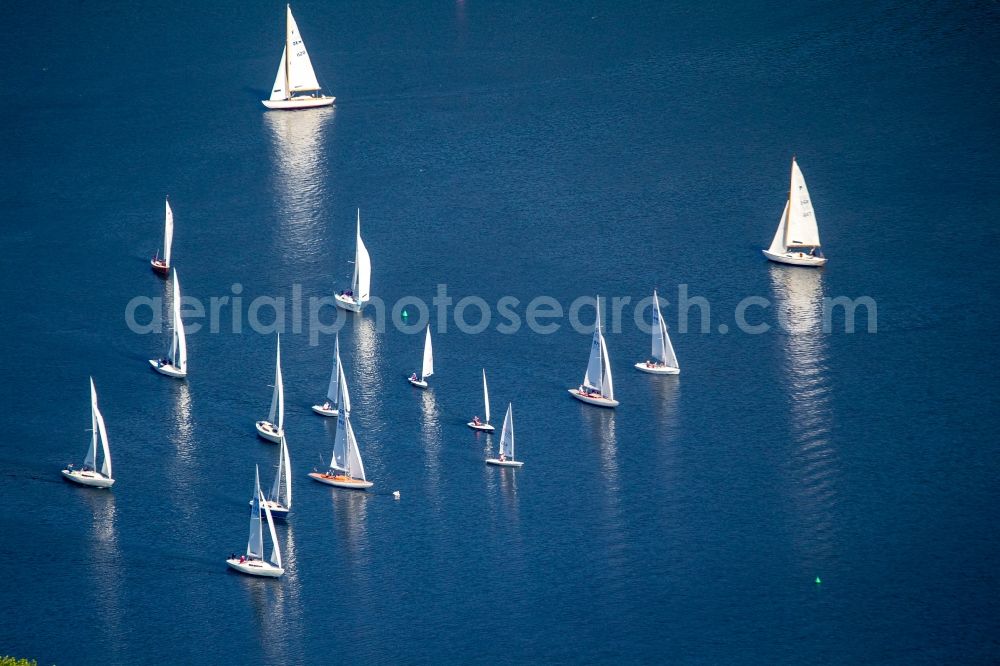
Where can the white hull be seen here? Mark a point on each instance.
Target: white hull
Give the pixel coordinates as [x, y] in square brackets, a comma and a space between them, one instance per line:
[298, 103]
[657, 369]
[277, 510]
[266, 430]
[593, 400]
[256, 568]
[419, 383]
[341, 481]
[485, 427]
[93, 479]
[348, 303]
[795, 258]
[504, 463]
[324, 412]
[167, 369]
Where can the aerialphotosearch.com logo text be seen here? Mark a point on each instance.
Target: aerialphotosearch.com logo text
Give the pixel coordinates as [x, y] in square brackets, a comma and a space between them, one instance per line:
[319, 316]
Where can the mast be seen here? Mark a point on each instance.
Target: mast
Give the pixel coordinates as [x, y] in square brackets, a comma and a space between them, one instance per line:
[791, 177]
[288, 44]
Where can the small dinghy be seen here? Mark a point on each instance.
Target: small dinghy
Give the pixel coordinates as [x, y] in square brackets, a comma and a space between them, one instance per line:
[329, 408]
[88, 475]
[664, 361]
[506, 458]
[597, 387]
[475, 423]
[161, 265]
[253, 562]
[273, 428]
[796, 241]
[175, 364]
[427, 369]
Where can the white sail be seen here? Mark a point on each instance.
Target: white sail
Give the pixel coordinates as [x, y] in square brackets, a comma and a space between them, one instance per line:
[593, 378]
[507, 436]
[90, 461]
[281, 491]
[255, 544]
[428, 367]
[333, 389]
[486, 396]
[362, 281]
[354, 468]
[663, 350]
[102, 431]
[801, 229]
[301, 77]
[607, 385]
[168, 234]
[178, 345]
[279, 90]
[778, 242]
[275, 551]
[278, 397]
[338, 461]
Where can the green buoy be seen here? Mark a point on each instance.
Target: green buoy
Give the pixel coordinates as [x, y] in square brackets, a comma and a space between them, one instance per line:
[818, 581]
[405, 314]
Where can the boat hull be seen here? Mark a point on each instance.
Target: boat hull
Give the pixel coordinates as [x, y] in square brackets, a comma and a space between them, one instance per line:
[504, 463]
[795, 258]
[267, 431]
[278, 511]
[159, 267]
[341, 481]
[593, 400]
[297, 103]
[92, 479]
[167, 369]
[256, 568]
[484, 427]
[348, 303]
[324, 412]
[419, 383]
[657, 369]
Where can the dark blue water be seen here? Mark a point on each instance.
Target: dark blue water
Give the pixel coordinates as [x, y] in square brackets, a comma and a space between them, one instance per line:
[517, 149]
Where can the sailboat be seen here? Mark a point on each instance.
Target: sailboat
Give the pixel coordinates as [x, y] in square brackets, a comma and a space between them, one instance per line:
[796, 241]
[359, 294]
[506, 458]
[329, 408]
[295, 86]
[664, 360]
[428, 366]
[162, 266]
[88, 474]
[279, 501]
[253, 562]
[597, 387]
[346, 469]
[273, 429]
[475, 423]
[174, 365]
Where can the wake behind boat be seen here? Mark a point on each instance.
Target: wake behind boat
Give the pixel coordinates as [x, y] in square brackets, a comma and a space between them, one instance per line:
[597, 387]
[295, 86]
[253, 562]
[664, 361]
[273, 429]
[355, 298]
[161, 266]
[796, 241]
[174, 364]
[88, 475]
